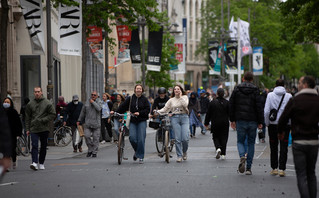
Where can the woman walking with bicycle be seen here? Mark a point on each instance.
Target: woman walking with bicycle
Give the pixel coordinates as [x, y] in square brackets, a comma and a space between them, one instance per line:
[119, 100]
[139, 107]
[180, 120]
[15, 126]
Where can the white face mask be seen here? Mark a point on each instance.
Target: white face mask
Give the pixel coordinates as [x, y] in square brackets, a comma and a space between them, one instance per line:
[76, 102]
[6, 105]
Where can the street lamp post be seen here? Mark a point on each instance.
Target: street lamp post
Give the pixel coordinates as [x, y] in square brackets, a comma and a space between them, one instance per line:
[142, 23]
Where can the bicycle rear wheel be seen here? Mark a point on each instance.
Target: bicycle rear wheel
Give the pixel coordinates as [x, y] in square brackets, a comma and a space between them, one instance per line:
[166, 142]
[23, 147]
[62, 137]
[120, 148]
[159, 141]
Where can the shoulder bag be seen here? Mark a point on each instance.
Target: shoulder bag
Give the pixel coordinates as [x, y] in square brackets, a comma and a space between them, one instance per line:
[273, 112]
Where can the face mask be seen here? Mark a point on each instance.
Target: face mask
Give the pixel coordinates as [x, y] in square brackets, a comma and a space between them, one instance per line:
[6, 105]
[123, 93]
[76, 102]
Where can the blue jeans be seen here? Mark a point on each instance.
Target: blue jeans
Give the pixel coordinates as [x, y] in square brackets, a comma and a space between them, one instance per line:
[116, 126]
[180, 124]
[43, 136]
[202, 117]
[137, 138]
[305, 159]
[246, 128]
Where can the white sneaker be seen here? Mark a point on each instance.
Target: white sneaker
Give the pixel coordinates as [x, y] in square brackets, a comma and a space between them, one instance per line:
[41, 166]
[184, 156]
[223, 157]
[34, 166]
[14, 165]
[218, 151]
[103, 142]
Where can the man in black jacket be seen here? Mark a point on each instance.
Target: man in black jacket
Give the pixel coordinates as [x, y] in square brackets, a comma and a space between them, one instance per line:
[246, 113]
[204, 103]
[303, 110]
[70, 117]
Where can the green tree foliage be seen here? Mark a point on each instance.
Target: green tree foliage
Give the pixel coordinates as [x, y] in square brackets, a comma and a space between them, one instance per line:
[282, 57]
[301, 19]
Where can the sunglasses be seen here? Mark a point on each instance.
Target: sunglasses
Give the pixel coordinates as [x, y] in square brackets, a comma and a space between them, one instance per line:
[93, 94]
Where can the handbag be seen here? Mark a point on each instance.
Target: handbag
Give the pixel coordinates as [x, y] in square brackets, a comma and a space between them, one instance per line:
[77, 137]
[273, 112]
[153, 124]
[80, 129]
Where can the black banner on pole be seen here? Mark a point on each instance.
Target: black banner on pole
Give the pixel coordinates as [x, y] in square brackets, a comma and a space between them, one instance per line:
[231, 54]
[135, 49]
[154, 50]
[212, 53]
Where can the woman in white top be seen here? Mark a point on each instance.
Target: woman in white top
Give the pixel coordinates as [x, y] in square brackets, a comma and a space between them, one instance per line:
[180, 120]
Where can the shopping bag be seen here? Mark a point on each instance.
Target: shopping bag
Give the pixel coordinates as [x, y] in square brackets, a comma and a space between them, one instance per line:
[77, 137]
[81, 131]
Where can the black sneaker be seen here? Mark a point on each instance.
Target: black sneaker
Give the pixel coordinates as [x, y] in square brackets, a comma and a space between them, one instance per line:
[241, 166]
[248, 171]
[89, 154]
[134, 157]
[94, 155]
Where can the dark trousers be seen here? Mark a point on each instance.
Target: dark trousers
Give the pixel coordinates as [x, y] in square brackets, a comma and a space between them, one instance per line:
[79, 145]
[305, 159]
[14, 149]
[273, 141]
[43, 136]
[108, 127]
[220, 138]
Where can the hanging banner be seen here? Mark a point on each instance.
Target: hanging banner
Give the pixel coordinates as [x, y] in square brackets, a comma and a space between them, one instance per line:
[180, 55]
[213, 52]
[231, 54]
[244, 38]
[95, 41]
[154, 50]
[244, 35]
[124, 36]
[135, 49]
[258, 61]
[32, 12]
[70, 26]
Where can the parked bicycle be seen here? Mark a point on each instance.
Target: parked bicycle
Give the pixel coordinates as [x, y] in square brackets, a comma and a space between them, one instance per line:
[163, 143]
[22, 146]
[62, 135]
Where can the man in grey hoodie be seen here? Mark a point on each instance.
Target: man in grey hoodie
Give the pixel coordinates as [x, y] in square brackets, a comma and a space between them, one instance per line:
[272, 102]
[91, 116]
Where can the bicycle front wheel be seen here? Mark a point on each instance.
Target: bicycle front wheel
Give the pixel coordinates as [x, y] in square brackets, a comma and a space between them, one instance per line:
[62, 137]
[159, 141]
[120, 148]
[22, 146]
[166, 142]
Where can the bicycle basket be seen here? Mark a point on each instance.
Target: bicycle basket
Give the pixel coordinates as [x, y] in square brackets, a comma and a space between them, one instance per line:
[154, 125]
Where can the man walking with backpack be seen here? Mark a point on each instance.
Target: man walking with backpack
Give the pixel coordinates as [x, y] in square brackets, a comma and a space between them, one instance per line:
[275, 105]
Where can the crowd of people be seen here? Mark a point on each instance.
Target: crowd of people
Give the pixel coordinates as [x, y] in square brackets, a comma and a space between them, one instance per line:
[285, 114]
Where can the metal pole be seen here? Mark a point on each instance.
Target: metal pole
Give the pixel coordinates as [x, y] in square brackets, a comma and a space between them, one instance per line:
[49, 51]
[106, 63]
[143, 52]
[238, 52]
[249, 34]
[222, 38]
[228, 12]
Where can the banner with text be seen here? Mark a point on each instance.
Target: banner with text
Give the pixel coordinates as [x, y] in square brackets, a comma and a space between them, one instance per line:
[95, 41]
[135, 49]
[258, 61]
[124, 37]
[154, 50]
[32, 12]
[70, 26]
[180, 55]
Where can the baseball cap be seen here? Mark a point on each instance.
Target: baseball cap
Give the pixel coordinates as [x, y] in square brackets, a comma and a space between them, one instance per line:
[75, 97]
